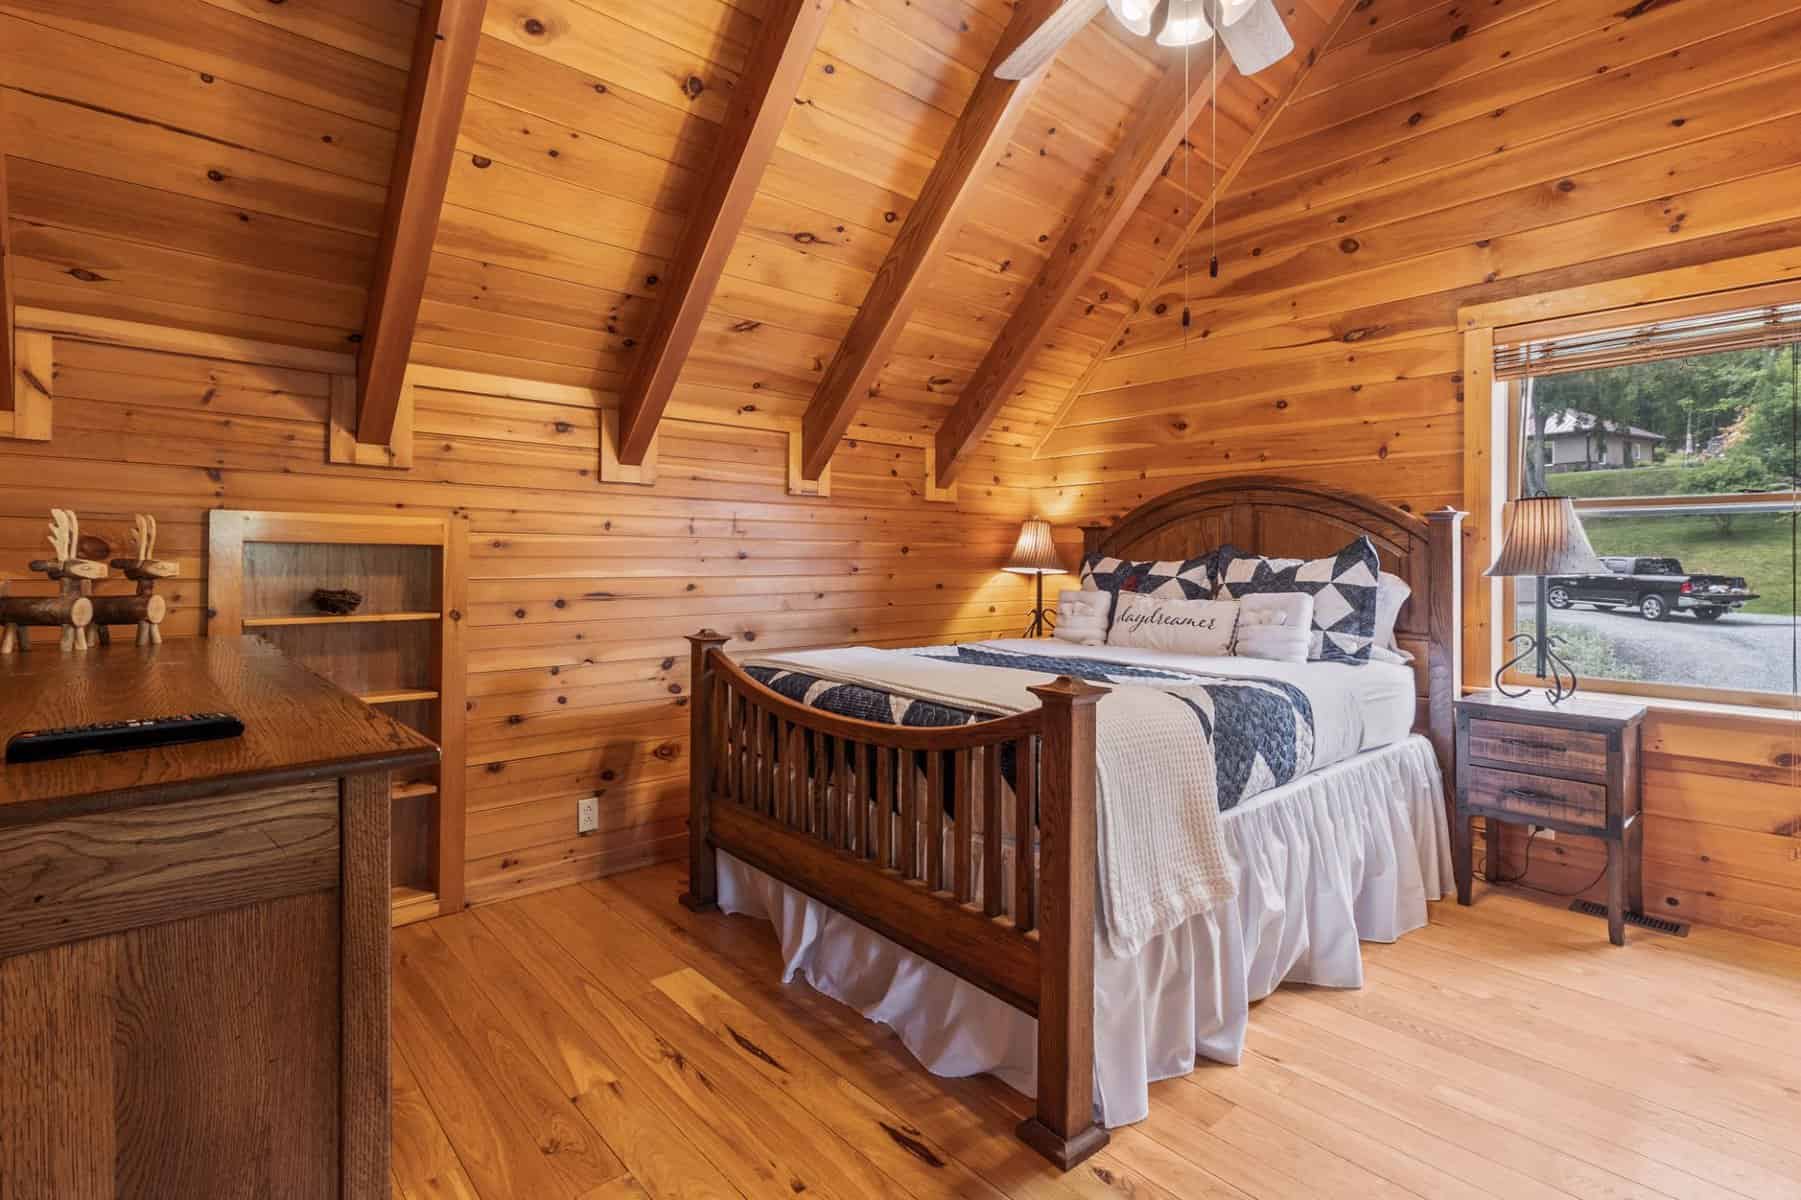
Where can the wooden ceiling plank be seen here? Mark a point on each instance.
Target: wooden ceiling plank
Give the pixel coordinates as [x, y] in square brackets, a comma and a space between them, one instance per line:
[760, 105]
[1309, 55]
[980, 136]
[1103, 215]
[6, 297]
[443, 61]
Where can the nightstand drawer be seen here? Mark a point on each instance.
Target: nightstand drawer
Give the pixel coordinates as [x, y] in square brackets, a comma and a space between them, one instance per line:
[1527, 796]
[1535, 746]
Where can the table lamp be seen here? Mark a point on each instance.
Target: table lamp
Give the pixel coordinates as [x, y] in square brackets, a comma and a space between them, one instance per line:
[1544, 538]
[1035, 555]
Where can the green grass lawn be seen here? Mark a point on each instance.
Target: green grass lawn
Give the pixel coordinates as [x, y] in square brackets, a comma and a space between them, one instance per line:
[1758, 546]
[1625, 481]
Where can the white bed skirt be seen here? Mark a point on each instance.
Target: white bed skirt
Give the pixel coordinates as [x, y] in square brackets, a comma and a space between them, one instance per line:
[1349, 853]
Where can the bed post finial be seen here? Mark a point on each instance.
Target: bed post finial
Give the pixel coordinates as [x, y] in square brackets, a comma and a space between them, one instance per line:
[703, 880]
[1063, 1129]
[1091, 539]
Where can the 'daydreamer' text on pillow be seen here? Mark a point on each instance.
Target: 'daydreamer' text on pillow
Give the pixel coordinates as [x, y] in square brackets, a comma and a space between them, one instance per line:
[1179, 626]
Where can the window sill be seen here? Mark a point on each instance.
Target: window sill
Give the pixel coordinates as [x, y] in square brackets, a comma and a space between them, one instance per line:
[1782, 712]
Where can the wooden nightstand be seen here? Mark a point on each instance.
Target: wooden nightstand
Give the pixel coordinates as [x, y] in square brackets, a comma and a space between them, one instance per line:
[1573, 769]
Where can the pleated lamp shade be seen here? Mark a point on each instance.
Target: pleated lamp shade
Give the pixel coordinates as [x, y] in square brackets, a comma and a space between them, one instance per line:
[1545, 537]
[1035, 553]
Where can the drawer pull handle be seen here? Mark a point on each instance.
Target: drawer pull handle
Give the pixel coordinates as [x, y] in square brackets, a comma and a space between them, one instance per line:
[1529, 744]
[1519, 793]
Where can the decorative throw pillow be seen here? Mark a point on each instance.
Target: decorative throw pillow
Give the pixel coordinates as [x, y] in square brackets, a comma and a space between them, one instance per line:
[1343, 588]
[1180, 626]
[1391, 593]
[1190, 579]
[1082, 617]
[1275, 625]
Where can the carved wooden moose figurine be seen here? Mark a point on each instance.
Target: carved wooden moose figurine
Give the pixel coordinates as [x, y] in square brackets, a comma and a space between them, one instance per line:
[72, 609]
[145, 609]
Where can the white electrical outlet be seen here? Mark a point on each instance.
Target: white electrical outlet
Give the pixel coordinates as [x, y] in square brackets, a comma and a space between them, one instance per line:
[587, 814]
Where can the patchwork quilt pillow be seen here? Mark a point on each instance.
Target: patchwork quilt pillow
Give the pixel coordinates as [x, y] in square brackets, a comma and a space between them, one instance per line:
[1190, 579]
[1343, 588]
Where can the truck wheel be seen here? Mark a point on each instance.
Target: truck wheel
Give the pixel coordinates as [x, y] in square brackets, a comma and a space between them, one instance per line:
[1558, 597]
[1653, 607]
[1709, 614]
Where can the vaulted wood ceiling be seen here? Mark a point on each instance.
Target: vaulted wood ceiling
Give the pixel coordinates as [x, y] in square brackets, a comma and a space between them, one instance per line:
[225, 165]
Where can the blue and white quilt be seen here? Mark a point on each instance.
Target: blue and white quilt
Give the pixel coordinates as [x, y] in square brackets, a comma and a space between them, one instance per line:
[1173, 749]
[1261, 730]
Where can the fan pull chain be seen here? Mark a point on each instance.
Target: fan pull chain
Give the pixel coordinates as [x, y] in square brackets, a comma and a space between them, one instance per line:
[1187, 145]
[1213, 160]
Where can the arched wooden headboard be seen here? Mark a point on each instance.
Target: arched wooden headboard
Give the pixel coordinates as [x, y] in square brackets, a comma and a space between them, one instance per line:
[1288, 518]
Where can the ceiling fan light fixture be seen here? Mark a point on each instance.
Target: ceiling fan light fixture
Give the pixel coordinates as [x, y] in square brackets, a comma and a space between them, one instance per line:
[1254, 34]
[1135, 15]
[1187, 25]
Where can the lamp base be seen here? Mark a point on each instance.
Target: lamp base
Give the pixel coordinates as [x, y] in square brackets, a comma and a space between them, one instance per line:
[1551, 665]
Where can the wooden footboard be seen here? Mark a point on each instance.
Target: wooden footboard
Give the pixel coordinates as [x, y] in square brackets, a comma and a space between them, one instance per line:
[925, 835]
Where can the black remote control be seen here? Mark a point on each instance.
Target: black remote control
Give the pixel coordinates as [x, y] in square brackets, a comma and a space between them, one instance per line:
[39, 745]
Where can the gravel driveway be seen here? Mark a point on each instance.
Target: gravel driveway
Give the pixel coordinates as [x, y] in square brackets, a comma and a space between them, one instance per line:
[1741, 652]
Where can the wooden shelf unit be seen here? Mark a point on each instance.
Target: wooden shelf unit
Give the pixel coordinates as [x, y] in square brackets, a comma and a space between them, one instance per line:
[402, 651]
[356, 618]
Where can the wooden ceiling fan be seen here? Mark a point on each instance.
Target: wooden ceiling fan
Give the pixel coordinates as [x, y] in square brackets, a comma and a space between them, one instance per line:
[1252, 30]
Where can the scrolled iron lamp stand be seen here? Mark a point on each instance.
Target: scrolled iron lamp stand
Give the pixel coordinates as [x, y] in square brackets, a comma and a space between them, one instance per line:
[1551, 665]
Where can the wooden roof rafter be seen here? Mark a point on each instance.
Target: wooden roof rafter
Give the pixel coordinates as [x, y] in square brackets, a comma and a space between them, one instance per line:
[1103, 215]
[1271, 111]
[978, 139]
[759, 106]
[437, 90]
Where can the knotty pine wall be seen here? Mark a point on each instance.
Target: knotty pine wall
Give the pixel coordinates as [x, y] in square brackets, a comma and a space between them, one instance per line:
[1444, 154]
[579, 593]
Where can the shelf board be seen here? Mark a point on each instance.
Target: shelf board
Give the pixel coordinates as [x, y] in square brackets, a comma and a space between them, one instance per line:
[409, 904]
[412, 791]
[337, 619]
[396, 697]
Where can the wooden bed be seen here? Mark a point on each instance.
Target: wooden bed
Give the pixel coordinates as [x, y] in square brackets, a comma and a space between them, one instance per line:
[796, 792]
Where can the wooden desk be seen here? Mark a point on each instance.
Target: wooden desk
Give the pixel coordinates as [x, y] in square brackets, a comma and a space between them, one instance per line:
[194, 939]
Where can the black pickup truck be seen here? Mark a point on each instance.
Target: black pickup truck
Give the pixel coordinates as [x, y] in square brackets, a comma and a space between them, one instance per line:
[1656, 587]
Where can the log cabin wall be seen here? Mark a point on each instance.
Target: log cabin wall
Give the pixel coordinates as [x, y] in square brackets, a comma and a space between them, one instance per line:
[579, 593]
[221, 167]
[215, 169]
[1438, 155]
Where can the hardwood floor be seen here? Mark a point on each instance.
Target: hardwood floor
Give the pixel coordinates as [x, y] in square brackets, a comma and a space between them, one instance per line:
[601, 1041]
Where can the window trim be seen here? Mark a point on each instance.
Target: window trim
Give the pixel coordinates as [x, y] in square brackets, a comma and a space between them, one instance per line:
[1491, 436]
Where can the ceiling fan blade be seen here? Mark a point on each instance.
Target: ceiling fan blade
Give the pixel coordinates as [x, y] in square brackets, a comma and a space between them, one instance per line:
[1041, 45]
[1257, 39]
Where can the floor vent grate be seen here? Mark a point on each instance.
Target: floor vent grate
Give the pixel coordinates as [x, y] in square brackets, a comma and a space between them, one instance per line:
[1655, 924]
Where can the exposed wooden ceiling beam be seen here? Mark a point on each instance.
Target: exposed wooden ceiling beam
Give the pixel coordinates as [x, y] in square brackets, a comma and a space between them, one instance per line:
[1098, 222]
[759, 106]
[443, 60]
[980, 136]
[1308, 52]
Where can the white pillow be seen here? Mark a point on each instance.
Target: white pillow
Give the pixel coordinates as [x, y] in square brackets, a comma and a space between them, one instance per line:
[1275, 625]
[1183, 626]
[1391, 593]
[1082, 617]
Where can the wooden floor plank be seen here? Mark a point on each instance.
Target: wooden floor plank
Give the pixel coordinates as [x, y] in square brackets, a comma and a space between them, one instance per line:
[425, 1165]
[495, 1106]
[1505, 1052]
[615, 1104]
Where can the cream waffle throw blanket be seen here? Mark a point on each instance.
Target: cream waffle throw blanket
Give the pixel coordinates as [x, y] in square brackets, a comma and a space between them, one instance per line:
[1162, 859]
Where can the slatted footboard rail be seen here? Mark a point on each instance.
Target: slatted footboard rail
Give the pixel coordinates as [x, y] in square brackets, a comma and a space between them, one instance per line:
[972, 846]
